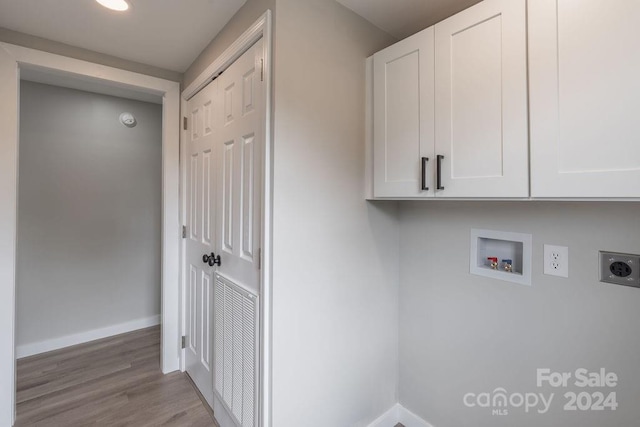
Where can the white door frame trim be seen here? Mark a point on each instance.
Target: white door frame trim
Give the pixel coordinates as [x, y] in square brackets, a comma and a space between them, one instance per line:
[262, 28]
[12, 59]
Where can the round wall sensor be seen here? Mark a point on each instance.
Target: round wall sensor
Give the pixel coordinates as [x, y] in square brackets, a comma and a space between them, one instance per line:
[128, 120]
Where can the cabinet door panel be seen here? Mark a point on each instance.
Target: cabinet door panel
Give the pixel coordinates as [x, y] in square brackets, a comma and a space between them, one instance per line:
[585, 97]
[403, 116]
[481, 101]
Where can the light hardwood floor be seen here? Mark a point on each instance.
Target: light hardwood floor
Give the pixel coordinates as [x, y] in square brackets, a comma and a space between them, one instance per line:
[111, 382]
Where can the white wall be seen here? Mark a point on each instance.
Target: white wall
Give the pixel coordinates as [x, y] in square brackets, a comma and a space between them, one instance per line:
[461, 333]
[335, 256]
[89, 228]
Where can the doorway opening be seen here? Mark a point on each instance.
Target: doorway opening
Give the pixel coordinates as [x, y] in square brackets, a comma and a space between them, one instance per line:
[89, 215]
[88, 241]
[68, 73]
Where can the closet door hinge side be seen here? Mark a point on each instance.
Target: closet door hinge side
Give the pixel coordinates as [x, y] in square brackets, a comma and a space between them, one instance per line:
[184, 342]
[184, 123]
[184, 231]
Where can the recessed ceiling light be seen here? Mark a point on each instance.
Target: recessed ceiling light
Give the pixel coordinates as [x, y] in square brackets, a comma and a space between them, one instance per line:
[119, 5]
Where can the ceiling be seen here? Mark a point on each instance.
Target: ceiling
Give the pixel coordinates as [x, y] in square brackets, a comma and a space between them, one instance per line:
[171, 33]
[164, 33]
[402, 18]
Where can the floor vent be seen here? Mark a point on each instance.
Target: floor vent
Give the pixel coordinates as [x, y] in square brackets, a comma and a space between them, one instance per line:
[236, 350]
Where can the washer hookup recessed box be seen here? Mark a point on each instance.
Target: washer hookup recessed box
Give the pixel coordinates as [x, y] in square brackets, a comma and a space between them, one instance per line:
[501, 255]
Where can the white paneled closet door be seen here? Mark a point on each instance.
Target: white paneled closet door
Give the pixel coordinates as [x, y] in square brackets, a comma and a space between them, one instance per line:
[481, 101]
[585, 97]
[239, 146]
[403, 118]
[203, 115]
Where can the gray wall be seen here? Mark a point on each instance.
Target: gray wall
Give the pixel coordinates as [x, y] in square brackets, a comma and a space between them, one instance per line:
[241, 21]
[335, 256]
[461, 333]
[89, 212]
[46, 45]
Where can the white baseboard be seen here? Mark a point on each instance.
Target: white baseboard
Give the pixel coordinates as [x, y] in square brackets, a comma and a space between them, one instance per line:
[409, 419]
[399, 414]
[83, 337]
[389, 418]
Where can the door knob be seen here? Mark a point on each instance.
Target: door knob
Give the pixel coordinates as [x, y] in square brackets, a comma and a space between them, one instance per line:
[212, 259]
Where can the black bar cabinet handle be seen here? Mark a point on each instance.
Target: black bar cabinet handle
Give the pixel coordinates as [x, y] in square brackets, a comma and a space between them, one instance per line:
[439, 172]
[425, 160]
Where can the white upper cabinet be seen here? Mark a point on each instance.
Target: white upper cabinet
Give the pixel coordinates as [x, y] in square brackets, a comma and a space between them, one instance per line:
[481, 120]
[450, 108]
[456, 115]
[403, 95]
[585, 98]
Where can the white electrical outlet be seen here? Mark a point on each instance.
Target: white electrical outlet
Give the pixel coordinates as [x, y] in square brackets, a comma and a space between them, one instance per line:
[556, 260]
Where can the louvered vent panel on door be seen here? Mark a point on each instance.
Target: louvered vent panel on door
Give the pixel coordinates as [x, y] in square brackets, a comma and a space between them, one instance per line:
[235, 343]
